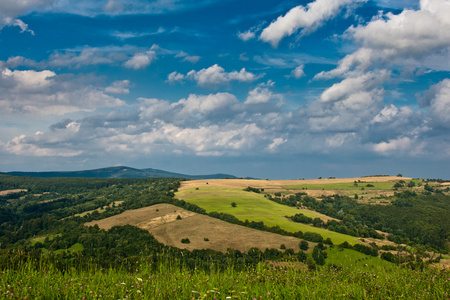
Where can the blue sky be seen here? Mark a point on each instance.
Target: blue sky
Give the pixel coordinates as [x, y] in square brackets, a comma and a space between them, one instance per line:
[266, 89]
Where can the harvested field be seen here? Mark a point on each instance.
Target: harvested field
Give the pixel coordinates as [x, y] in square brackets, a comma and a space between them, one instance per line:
[279, 184]
[203, 232]
[312, 187]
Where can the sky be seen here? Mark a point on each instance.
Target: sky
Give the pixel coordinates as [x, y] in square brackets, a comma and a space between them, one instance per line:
[276, 89]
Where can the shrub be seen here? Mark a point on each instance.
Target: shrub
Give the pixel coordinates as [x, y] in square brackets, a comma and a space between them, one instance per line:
[304, 245]
[388, 256]
[185, 241]
[301, 256]
[313, 237]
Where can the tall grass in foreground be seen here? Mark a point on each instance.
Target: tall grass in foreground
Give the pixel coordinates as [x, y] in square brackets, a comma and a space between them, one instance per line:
[170, 281]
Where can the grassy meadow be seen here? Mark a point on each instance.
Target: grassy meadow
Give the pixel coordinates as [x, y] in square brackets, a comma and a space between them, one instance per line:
[255, 207]
[169, 280]
[48, 251]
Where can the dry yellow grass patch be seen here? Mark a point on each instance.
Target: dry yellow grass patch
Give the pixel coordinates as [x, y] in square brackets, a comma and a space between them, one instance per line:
[278, 185]
[273, 186]
[161, 221]
[7, 192]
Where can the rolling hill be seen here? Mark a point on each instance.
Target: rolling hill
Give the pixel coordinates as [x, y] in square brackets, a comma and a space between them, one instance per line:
[204, 232]
[118, 172]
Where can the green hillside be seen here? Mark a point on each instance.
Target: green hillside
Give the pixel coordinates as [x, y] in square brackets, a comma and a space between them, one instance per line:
[255, 207]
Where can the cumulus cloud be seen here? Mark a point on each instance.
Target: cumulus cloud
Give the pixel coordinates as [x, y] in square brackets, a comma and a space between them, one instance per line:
[347, 105]
[298, 72]
[351, 85]
[208, 125]
[175, 77]
[214, 75]
[399, 145]
[311, 17]
[141, 60]
[119, 87]
[437, 101]
[246, 35]
[386, 45]
[263, 94]
[10, 10]
[28, 80]
[413, 37]
[45, 92]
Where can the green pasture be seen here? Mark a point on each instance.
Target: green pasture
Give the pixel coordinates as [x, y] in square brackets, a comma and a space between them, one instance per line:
[74, 248]
[354, 259]
[42, 238]
[255, 207]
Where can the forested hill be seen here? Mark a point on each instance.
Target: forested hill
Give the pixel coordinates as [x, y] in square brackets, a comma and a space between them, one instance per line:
[119, 172]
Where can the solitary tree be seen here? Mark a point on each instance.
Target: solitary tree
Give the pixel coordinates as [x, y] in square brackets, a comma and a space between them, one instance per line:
[304, 245]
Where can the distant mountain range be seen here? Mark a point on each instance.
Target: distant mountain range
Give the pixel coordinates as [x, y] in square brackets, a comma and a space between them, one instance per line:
[118, 172]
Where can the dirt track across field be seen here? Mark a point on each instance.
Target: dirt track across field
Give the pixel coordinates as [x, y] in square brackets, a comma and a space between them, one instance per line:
[203, 232]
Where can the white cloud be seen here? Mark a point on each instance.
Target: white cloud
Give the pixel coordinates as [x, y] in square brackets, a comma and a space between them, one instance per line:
[214, 75]
[22, 25]
[396, 146]
[28, 80]
[251, 33]
[298, 72]
[11, 9]
[262, 94]
[76, 58]
[246, 35]
[347, 105]
[127, 55]
[141, 60]
[205, 105]
[119, 87]
[189, 58]
[175, 77]
[191, 110]
[309, 18]
[192, 59]
[409, 38]
[85, 57]
[46, 93]
[437, 101]
[23, 146]
[276, 143]
[352, 85]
